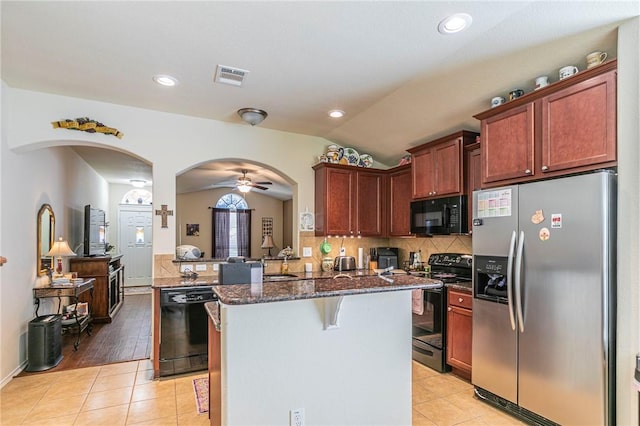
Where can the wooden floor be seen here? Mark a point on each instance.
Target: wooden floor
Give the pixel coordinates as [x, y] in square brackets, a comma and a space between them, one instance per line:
[127, 338]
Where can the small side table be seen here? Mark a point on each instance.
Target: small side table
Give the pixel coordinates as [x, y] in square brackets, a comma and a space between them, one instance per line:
[72, 291]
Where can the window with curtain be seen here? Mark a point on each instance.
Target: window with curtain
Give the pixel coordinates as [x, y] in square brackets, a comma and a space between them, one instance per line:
[231, 219]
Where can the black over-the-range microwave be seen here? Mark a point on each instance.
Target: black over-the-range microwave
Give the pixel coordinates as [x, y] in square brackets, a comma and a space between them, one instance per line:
[440, 216]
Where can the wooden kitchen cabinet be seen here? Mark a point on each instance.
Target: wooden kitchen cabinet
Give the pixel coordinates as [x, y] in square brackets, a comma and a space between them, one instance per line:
[108, 290]
[459, 331]
[579, 125]
[349, 200]
[566, 127]
[473, 177]
[508, 144]
[437, 166]
[400, 201]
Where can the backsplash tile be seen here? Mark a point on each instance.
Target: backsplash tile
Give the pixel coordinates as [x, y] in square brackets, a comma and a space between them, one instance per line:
[165, 267]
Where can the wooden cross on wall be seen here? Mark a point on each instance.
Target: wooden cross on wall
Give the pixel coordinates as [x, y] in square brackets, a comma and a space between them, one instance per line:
[164, 213]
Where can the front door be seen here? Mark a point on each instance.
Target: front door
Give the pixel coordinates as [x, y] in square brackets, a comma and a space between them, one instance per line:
[135, 242]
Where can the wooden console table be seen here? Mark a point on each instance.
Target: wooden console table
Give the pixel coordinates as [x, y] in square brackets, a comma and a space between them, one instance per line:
[108, 272]
[73, 292]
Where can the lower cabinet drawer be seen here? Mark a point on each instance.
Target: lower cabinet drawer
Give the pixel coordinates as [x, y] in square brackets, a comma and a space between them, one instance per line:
[460, 298]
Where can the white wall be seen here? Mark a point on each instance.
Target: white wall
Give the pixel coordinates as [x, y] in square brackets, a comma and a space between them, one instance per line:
[171, 143]
[193, 207]
[628, 338]
[277, 357]
[33, 174]
[56, 176]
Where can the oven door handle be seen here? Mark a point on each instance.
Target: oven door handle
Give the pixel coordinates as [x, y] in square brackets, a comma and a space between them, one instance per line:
[512, 247]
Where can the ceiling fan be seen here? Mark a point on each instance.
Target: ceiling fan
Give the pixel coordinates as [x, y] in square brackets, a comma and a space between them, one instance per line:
[244, 184]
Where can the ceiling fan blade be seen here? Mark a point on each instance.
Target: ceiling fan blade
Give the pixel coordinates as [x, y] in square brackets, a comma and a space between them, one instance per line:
[264, 183]
[253, 185]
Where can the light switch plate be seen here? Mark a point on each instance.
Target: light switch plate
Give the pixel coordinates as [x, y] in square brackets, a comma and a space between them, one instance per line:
[306, 251]
[216, 266]
[201, 267]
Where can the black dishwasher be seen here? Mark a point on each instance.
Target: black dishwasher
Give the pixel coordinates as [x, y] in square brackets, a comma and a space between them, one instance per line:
[183, 329]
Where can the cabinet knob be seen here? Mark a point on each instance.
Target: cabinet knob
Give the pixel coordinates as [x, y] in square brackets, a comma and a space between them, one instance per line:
[544, 168]
[527, 172]
[460, 300]
[449, 309]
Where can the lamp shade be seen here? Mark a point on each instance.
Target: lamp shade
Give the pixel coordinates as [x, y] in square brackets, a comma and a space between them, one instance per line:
[61, 249]
[267, 242]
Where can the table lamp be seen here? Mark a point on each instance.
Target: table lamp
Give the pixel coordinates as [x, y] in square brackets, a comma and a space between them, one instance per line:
[60, 249]
[267, 243]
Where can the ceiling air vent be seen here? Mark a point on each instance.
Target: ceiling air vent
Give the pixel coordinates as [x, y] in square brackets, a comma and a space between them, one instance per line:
[230, 75]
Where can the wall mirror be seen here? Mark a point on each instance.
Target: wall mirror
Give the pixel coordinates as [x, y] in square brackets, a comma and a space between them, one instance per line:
[46, 232]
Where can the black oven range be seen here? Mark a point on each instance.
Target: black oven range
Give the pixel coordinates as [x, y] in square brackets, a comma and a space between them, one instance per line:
[429, 323]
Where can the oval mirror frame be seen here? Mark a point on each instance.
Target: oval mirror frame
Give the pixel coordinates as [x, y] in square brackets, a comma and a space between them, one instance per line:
[46, 232]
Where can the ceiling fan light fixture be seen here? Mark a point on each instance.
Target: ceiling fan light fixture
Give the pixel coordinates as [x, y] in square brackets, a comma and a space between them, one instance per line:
[244, 187]
[336, 113]
[138, 183]
[165, 80]
[455, 23]
[252, 116]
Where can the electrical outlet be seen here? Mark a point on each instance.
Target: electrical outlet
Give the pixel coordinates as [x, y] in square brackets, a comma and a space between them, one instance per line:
[306, 251]
[343, 251]
[216, 266]
[296, 417]
[201, 267]
[185, 268]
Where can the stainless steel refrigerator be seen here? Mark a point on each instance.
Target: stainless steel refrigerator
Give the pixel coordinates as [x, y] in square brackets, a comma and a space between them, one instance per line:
[544, 299]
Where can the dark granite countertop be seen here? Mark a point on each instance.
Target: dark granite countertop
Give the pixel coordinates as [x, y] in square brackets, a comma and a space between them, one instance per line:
[213, 311]
[210, 280]
[184, 282]
[311, 288]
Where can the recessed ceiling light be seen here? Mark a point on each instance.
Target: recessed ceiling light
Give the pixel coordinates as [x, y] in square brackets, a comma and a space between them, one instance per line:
[165, 80]
[336, 113]
[455, 23]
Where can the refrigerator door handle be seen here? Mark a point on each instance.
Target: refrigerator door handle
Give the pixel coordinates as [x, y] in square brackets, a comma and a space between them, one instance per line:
[512, 248]
[519, 281]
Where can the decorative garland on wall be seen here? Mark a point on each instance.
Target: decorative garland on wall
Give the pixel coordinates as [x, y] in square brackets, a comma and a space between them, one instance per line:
[87, 125]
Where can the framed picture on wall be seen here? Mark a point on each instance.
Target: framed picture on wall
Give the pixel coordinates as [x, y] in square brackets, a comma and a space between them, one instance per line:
[306, 221]
[193, 229]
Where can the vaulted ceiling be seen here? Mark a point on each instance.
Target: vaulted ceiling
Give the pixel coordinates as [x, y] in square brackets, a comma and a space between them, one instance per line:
[398, 79]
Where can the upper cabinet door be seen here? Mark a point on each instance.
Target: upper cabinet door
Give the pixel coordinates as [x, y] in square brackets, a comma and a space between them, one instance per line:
[340, 202]
[400, 203]
[579, 125]
[423, 173]
[370, 193]
[448, 168]
[507, 142]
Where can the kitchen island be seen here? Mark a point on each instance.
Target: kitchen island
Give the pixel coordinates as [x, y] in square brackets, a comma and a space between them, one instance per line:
[337, 348]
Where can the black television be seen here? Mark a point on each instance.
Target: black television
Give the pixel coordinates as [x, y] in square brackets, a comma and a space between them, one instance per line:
[94, 231]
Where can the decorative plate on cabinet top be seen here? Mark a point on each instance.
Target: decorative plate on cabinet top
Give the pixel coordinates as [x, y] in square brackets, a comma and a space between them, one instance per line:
[365, 160]
[352, 156]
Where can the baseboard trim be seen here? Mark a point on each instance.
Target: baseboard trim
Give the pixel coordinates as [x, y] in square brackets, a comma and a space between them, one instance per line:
[14, 373]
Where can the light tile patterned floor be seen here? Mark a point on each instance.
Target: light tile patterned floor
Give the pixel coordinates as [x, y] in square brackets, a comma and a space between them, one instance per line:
[115, 394]
[125, 394]
[444, 399]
